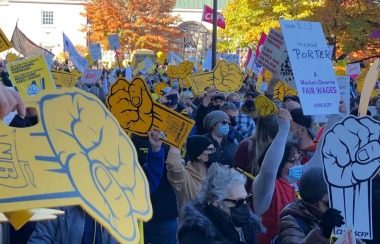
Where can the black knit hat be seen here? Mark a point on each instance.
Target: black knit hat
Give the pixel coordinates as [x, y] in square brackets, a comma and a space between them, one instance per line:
[312, 186]
[196, 145]
[306, 121]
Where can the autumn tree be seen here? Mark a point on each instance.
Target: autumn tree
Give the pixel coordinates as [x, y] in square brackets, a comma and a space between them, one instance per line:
[145, 24]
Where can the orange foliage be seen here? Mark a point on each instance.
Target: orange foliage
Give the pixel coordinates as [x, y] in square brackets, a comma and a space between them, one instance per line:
[146, 24]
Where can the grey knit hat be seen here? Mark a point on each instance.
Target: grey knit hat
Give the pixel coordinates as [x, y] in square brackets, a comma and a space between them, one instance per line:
[213, 118]
[312, 186]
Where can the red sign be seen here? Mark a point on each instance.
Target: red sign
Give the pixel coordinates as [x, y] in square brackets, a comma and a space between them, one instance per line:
[261, 44]
[208, 14]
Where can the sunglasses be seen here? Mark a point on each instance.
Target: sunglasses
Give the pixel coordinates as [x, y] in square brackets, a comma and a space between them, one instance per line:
[191, 98]
[240, 202]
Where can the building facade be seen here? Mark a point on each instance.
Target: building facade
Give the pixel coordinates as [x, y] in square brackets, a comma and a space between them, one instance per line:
[44, 21]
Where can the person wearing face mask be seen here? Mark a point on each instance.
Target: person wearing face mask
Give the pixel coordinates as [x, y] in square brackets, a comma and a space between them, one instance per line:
[220, 214]
[185, 180]
[217, 123]
[171, 98]
[273, 188]
[309, 220]
[245, 124]
[248, 107]
[176, 85]
[233, 113]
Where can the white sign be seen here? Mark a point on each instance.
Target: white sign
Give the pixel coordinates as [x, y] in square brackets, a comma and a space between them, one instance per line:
[128, 73]
[207, 64]
[353, 69]
[95, 51]
[350, 156]
[256, 68]
[312, 68]
[263, 87]
[174, 59]
[80, 63]
[232, 58]
[348, 237]
[330, 49]
[344, 89]
[274, 58]
[91, 76]
[148, 65]
[113, 40]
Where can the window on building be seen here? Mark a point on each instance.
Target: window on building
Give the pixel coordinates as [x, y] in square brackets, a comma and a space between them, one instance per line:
[4, 2]
[47, 18]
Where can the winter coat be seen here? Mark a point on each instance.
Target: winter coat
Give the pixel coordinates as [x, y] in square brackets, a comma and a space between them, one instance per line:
[290, 229]
[225, 152]
[185, 180]
[201, 228]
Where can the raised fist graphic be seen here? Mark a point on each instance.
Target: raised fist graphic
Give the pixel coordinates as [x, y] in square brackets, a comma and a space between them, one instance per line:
[265, 106]
[33, 89]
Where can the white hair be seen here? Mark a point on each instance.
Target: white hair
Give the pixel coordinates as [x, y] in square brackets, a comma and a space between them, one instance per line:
[220, 178]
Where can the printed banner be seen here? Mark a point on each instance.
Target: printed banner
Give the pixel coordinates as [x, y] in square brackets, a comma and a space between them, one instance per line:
[353, 69]
[134, 107]
[64, 79]
[312, 68]
[208, 17]
[225, 78]
[80, 63]
[30, 76]
[250, 58]
[95, 51]
[77, 154]
[114, 42]
[91, 76]
[274, 58]
[232, 58]
[29, 49]
[207, 63]
[5, 44]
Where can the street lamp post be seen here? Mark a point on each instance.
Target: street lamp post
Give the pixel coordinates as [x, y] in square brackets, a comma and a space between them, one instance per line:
[184, 42]
[89, 34]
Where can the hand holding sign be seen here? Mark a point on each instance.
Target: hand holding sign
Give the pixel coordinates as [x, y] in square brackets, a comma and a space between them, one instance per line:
[225, 78]
[265, 106]
[134, 107]
[75, 155]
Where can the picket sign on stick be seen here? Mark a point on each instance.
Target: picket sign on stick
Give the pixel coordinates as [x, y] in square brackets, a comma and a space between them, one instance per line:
[134, 107]
[369, 84]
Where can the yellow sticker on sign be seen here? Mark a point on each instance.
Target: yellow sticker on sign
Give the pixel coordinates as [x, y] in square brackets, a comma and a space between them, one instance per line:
[30, 76]
[265, 106]
[5, 44]
[64, 79]
[134, 107]
[225, 78]
[77, 154]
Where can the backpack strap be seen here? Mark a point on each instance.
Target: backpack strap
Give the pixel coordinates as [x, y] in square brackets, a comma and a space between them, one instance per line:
[304, 226]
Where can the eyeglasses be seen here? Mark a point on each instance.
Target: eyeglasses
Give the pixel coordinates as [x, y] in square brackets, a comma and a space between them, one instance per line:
[224, 122]
[240, 202]
[212, 150]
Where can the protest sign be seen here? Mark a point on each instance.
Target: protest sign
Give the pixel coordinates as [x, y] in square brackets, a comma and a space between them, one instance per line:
[353, 69]
[5, 44]
[134, 107]
[91, 76]
[77, 154]
[282, 89]
[344, 90]
[250, 59]
[330, 49]
[260, 44]
[348, 237]
[147, 65]
[30, 76]
[208, 17]
[114, 42]
[263, 87]
[207, 64]
[350, 160]
[80, 63]
[256, 68]
[274, 58]
[312, 68]
[232, 58]
[174, 59]
[95, 51]
[341, 63]
[265, 106]
[368, 85]
[225, 78]
[64, 79]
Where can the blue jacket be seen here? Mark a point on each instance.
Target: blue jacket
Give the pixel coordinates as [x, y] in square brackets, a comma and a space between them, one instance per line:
[68, 228]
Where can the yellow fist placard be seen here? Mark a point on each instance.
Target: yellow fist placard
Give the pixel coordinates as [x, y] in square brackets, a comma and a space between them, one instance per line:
[265, 106]
[64, 79]
[134, 107]
[77, 154]
[5, 44]
[282, 89]
[159, 87]
[225, 78]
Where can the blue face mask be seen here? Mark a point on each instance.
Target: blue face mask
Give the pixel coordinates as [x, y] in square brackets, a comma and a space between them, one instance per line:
[175, 83]
[291, 138]
[165, 79]
[279, 105]
[295, 173]
[223, 130]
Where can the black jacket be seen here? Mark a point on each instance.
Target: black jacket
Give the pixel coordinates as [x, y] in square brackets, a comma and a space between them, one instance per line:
[199, 117]
[5, 79]
[375, 211]
[225, 152]
[201, 227]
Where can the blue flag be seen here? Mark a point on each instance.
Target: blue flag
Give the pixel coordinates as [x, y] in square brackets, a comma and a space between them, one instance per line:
[79, 62]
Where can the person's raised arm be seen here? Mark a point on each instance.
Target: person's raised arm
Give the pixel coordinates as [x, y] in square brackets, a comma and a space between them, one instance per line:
[176, 170]
[271, 121]
[264, 183]
[203, 111]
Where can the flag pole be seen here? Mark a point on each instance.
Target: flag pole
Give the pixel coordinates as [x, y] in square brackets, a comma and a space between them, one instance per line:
[214, 33]
[199, 33]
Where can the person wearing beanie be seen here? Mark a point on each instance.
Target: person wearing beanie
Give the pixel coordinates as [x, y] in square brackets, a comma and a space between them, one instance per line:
[186, 179]
[309, 220]
[217, 123]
